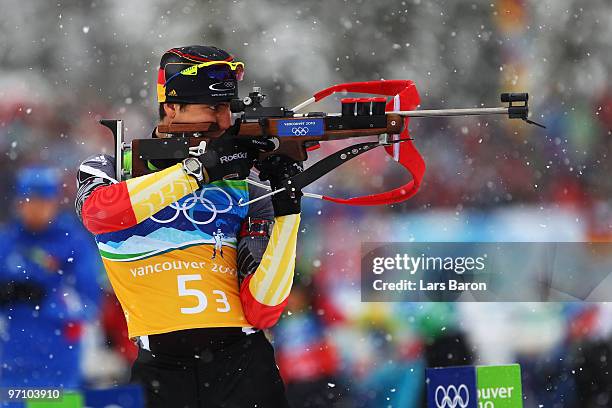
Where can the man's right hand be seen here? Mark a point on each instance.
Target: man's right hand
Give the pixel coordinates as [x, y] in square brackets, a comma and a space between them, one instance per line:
[230, 158]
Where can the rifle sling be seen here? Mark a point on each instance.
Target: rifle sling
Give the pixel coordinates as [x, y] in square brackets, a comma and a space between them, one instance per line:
[324, 166]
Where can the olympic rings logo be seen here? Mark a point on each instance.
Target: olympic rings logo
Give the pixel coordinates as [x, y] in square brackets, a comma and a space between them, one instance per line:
[187, 207]
[459, 399]
[300, 131]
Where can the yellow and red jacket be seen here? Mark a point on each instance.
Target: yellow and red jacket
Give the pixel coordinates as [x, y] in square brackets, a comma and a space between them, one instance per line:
[174, 253]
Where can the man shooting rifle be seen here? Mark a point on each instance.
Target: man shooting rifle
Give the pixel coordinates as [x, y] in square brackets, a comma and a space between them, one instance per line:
[195, 316]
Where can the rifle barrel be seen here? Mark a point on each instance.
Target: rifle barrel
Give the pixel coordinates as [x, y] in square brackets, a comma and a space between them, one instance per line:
[452, 112]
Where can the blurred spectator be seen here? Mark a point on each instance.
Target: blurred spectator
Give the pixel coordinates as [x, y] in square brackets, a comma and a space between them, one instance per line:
[392, 370]
[445, 342]
[307, 359]
[48, 286]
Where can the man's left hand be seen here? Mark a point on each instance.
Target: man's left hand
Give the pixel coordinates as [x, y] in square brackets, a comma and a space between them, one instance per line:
[278, 169]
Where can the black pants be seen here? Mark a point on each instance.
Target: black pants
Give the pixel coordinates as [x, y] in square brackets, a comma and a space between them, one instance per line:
[242, 374]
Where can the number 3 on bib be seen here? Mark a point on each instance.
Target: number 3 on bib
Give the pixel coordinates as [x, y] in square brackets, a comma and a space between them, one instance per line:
[202, 300]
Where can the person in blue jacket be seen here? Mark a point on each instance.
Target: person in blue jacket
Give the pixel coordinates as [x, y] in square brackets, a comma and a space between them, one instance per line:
[48, 286]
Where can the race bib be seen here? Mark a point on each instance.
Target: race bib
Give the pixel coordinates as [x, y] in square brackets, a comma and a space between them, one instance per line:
[187, 288]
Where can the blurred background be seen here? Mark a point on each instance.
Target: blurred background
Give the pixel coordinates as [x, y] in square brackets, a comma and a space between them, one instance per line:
[66, 64]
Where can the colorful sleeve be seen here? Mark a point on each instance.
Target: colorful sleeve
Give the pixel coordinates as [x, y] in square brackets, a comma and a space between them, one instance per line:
[265, 291]
[94, 172]
[254, 234]
[113, 206]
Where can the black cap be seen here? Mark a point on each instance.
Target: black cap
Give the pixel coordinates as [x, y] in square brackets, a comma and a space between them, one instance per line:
[182, 79]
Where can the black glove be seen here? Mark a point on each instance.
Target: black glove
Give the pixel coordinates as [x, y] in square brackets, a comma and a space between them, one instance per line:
[228, 158]
[277, 169]
[12, 292]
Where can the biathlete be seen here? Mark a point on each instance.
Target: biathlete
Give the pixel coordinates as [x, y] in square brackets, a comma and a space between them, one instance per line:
[197, 318]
